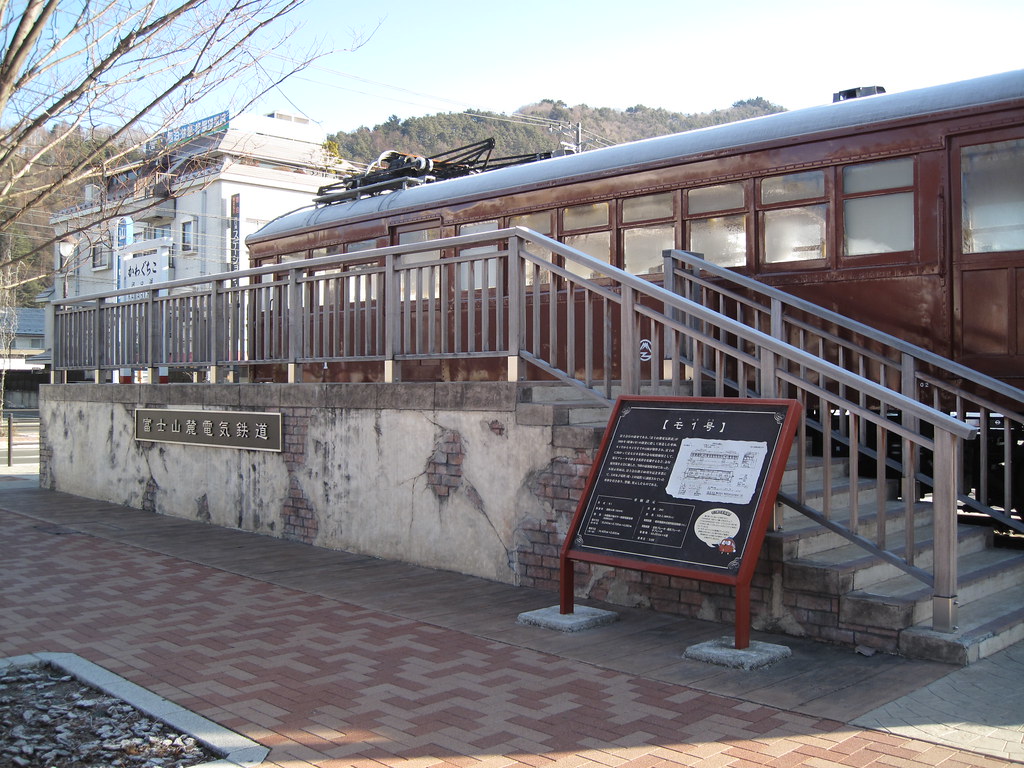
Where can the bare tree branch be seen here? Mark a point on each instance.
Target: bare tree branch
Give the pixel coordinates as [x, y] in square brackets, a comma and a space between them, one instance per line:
[87, 85]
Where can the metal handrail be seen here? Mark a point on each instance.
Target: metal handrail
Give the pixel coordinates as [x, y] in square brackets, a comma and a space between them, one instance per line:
[958, 390]
[12, 417]
[695, 264]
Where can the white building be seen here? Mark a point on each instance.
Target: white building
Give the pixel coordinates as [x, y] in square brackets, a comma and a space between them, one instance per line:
[187, 212]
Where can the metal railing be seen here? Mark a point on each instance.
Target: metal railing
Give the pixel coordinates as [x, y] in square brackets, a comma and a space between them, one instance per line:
[551, 311]
[990, 470]
[20, 428]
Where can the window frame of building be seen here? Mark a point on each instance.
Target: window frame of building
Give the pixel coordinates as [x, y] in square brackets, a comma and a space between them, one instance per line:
[188, 241]
[101, 256]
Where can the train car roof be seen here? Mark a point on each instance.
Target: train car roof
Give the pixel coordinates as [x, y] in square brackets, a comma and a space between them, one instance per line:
[843, 115]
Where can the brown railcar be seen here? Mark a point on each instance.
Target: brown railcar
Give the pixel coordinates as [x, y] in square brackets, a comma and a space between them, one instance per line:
[904, 211]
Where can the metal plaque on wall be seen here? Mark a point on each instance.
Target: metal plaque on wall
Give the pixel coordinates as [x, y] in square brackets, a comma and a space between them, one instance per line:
[216, 429]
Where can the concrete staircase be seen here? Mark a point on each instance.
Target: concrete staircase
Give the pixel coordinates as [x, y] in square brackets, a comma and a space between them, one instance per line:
[877, 597]
[874, 597]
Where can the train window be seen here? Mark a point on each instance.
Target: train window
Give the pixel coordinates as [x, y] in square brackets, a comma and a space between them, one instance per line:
[993, 197]
[585, 216]
[878, 224]
[419, 282]
[642, 247]
[721, 239]
[476, 227]
[595, 244]
[721, 197]
[361, 245]
[648, 207]
[419, 235]
[540, 223]
[794, 234]
[793, 186]
[477, 270]
[872, 177]
[413, 236]
[317, 289]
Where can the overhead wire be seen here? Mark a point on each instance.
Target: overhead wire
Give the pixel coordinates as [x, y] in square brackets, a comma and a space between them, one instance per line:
[474, 110]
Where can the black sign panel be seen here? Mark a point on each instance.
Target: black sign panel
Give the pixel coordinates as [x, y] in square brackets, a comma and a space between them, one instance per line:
[216, 429]
[683, 484]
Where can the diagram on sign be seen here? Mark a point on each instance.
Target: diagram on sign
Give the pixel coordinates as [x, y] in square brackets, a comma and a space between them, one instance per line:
[722, 471]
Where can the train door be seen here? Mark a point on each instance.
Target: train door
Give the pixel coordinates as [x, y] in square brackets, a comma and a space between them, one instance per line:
[988, 253]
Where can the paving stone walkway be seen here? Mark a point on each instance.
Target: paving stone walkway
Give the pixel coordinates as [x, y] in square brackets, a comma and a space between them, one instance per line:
[333, 660]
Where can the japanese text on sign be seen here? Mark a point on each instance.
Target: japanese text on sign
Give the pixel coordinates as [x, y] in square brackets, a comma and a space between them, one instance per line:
[218, 429]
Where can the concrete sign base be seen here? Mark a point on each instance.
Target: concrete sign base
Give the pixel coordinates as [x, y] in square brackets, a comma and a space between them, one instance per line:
[724, 653]
[580, 619]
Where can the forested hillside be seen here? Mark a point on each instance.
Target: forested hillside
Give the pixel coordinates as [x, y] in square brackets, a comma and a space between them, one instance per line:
[535, 128]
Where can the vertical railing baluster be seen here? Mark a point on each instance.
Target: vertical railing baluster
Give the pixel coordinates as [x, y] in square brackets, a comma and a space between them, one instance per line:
[881, 473]
[517, 270]
[215, 330]
[392, 313]
[294, 322]
[97, 352]
[944, 606]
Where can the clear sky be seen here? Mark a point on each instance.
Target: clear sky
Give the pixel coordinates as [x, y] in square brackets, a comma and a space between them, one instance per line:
[427, 56]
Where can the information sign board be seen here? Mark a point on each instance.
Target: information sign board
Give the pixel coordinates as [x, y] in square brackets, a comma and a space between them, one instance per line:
[215, 429]
[685, 487]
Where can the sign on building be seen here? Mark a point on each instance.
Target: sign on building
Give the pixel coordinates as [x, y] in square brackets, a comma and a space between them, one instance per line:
[213, 124]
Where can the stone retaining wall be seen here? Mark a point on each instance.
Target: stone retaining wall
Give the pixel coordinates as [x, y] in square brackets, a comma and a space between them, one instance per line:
[456, 476]
[441, 475]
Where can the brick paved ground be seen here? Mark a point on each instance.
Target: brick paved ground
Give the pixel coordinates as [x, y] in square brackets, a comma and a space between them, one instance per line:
[324, 683]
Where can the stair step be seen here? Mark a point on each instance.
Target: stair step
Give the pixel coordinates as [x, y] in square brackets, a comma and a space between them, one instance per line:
[841, 492]
[556, 392]
[842, 569]
[904, 601]
[814, 471]
[985, 626]
[801, 537]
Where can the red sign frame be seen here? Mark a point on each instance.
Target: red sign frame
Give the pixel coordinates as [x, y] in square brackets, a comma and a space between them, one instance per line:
[683, 486]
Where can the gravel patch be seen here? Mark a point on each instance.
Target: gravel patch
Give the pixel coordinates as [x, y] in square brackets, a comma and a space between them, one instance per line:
[50, 719]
